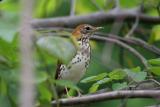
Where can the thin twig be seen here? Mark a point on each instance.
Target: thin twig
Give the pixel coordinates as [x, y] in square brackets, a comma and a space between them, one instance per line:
[132, 50]
[109, 96]
[144, 44]
[151, 84]
[155, 81]
[73, 6]
[27, 94]
[133, 27]
[136, 41]
[117, 4]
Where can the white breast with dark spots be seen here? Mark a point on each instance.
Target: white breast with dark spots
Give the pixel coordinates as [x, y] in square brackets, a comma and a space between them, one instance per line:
[76, 69]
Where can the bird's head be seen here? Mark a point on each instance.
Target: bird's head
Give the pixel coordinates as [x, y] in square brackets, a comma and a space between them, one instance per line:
[84, 30]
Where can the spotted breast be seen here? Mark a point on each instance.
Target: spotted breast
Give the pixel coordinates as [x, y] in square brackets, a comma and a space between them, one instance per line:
[75, 70]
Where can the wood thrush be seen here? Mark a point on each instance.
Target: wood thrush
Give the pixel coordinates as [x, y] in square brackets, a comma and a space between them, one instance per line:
[76, 68]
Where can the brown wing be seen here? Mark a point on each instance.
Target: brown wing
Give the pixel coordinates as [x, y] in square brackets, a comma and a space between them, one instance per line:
[59, 63]
[60, 91]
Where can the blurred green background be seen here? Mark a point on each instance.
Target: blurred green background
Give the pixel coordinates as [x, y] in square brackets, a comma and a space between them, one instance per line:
[106, 57]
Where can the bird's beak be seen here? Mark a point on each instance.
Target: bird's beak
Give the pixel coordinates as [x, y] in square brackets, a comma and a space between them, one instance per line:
[98, 28]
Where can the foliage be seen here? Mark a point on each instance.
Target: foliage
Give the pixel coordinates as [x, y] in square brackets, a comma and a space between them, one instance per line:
[114, 76]
[59, 47]
[118, 73]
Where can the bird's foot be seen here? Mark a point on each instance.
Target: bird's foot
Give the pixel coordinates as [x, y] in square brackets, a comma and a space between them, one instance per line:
[67, 93]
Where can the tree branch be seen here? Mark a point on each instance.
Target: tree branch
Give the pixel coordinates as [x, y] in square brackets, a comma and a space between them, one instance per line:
[94, 18]
[109, 96]
[132, 50]
[27, 85]
[137, 41]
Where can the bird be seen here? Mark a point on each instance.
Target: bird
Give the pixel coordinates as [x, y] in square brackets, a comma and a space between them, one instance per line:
[76, 68]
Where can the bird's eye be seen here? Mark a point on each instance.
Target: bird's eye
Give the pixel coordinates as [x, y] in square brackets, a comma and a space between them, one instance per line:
[87, 28]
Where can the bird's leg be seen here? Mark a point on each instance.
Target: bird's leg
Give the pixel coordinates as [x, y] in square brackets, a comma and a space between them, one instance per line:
[67, 92]
[70, 96]
[79, 93]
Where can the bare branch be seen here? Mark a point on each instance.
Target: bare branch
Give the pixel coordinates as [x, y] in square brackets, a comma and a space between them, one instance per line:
[132, 50]
[139, 42]
[95, 19]
[27, 68]
[145, 45]
[109, 96]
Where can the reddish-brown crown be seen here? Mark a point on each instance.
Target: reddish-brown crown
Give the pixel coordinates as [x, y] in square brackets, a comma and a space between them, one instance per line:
[83, 29]
[77, 32]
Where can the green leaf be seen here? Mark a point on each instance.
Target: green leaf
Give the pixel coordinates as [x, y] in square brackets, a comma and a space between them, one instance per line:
[136, 69]
[13, 91]
[72, 92]
[103, 81]
[10, 6]
[67, 83]
[84, 6]
[9, 75]
[41, 77]
[136, 76]
[4, 62]
[94, 78]
[44, 93]
[155, 70]
[3, 87]
[62, 48]
[88, 79]
[128, 4]
[4, 101]
[40, 12]
[119, 86]
[8, 51]
[117, 74]
[155, 34]
[8, 25]
[150, 3]
[93, 88]
[154, 61]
